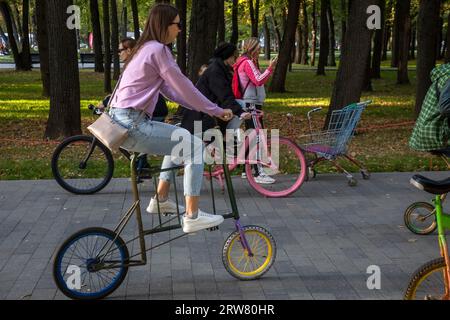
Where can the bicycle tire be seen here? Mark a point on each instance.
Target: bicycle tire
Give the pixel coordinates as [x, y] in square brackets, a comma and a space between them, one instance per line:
[58, 275]
[292, 185]
[421, 275]
[68, 183]
[409, 218]
[234, 239]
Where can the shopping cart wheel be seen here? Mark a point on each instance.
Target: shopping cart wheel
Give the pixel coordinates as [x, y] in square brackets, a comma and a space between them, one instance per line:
[352, 182]
[365, 174]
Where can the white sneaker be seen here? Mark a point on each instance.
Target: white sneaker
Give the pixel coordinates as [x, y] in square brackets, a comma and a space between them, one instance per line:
[263, 178]
[167, 206]
[244, 175]
[203, 221]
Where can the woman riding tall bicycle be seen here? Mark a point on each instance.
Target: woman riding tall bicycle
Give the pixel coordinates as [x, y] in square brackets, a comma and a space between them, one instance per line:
[150, 70]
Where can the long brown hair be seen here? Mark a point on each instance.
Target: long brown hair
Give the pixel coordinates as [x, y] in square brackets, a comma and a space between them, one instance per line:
[159, 19]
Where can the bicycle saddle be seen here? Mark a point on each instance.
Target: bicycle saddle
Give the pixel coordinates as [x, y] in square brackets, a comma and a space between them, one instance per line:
[431, 186]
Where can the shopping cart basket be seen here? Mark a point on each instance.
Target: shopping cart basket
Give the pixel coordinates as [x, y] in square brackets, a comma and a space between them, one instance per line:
[332, 143]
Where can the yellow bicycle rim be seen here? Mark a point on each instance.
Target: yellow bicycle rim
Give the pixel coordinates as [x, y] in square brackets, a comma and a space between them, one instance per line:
[256, 248]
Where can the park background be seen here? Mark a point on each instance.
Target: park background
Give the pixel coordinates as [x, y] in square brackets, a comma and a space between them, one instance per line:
[328, 58]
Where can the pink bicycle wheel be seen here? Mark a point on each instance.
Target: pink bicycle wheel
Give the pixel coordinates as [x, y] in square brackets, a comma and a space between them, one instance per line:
[283, 175]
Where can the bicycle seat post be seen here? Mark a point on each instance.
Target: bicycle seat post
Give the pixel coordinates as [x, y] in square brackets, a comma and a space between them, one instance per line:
[134, 188]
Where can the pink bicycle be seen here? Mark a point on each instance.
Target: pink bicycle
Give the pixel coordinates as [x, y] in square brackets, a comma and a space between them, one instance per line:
[279, 160]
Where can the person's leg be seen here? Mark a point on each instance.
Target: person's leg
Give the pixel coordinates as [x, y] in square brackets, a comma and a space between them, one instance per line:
[230, 146]
[192, 159]
[152, 137]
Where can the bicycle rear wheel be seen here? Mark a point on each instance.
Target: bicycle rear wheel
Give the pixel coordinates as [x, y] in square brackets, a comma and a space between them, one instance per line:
[288, 174]
[428, 282]
[420, 218]
[91, 264]
[82, 165]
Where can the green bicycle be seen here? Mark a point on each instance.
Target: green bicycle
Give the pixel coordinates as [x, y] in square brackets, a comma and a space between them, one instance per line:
[432, 280]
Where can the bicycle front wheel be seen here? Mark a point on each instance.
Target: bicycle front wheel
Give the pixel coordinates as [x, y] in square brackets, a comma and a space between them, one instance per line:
[82, 165]
[91, 264]
[420, 218]
[428, 282]
[237, 260]
[283, 172]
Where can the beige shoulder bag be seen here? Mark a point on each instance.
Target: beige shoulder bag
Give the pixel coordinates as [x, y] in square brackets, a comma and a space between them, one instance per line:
[108, 131]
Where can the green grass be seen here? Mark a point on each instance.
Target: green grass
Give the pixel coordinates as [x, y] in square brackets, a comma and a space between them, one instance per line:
[23, 115]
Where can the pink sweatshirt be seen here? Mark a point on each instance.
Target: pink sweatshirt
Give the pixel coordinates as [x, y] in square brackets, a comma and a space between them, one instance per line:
[151, 71]
[250, 77]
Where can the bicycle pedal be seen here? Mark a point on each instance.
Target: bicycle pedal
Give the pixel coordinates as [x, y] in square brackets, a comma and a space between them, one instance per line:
[213, 228]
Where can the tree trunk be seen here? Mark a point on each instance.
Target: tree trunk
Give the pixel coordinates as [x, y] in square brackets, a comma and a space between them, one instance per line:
[135, 12]
[17, 23]
[124, 20]
[181, 39]
[299, 46]
[7, 16]
[395, 37]
[313, 34]
[378, 44]
[115, 39]
[324, 49]
[332, 38]
[387, 36]
[343, 21]
[279, 76]
[367, 83]
[221, 21]
[107, 37]
[203, 34]
[305, 31]
[42, 37]
[25, 55]
[266, 39]
[277, 29]
[352, 67]
[64, 116]
[404, 32]
[234, 23]
[412, 53]
[97, 33]
[427, 30]
[253, 20]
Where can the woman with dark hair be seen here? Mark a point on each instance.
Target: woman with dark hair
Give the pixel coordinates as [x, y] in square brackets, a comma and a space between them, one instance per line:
[215, 84]
[151, 69]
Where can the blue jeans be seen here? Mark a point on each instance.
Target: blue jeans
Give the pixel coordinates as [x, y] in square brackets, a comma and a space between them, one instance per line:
[155, 138]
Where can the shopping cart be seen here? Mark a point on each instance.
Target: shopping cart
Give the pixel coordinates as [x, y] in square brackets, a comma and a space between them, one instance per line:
[332, 143]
